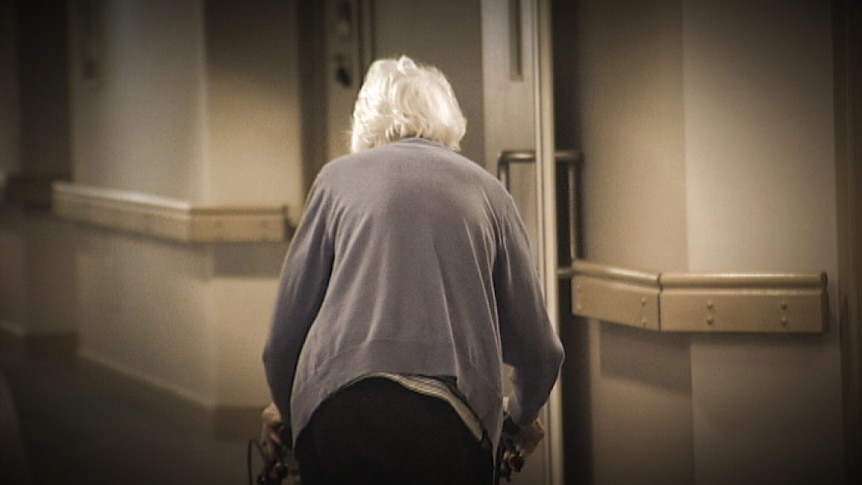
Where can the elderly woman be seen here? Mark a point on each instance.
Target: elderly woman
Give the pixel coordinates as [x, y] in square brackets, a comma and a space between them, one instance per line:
[408, 284]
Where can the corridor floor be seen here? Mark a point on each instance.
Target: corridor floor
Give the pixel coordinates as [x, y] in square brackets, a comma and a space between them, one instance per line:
[81, 424]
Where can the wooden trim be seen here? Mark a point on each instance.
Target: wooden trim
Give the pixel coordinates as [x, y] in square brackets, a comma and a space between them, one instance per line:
[767, 303]
[618, 295]
[167, 218]
[690, 302]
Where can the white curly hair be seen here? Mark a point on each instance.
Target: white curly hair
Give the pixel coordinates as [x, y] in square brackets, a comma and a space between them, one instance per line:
[399, 99]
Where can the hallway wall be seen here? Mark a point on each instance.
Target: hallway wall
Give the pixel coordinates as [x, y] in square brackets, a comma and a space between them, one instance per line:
[708, 139]
[139, 122]
[195, 102]
[620, 71]
[35, 248]
[760, 176]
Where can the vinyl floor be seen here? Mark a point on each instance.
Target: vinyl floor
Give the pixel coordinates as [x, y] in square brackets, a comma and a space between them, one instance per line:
[68, 421]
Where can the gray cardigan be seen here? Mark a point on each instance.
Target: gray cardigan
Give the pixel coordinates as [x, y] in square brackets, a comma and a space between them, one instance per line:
[411, 259]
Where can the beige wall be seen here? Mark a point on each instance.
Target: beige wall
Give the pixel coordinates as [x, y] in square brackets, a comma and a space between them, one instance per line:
[446, 34]
[252, 144]
[708, 140]
[196, 101]
[140, 124]
[635, 216]
[760, 178]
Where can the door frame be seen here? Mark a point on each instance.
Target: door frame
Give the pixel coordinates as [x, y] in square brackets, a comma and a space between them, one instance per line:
[547, 203]
[847, 23]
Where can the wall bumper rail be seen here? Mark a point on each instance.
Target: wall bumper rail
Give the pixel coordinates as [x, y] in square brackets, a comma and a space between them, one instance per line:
[688, 302]
[167, 218]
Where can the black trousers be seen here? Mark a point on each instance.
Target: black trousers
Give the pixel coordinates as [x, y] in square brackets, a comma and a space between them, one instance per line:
[377, 431]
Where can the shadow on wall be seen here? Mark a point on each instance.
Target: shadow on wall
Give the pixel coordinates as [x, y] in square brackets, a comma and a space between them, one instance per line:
[665, 366]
